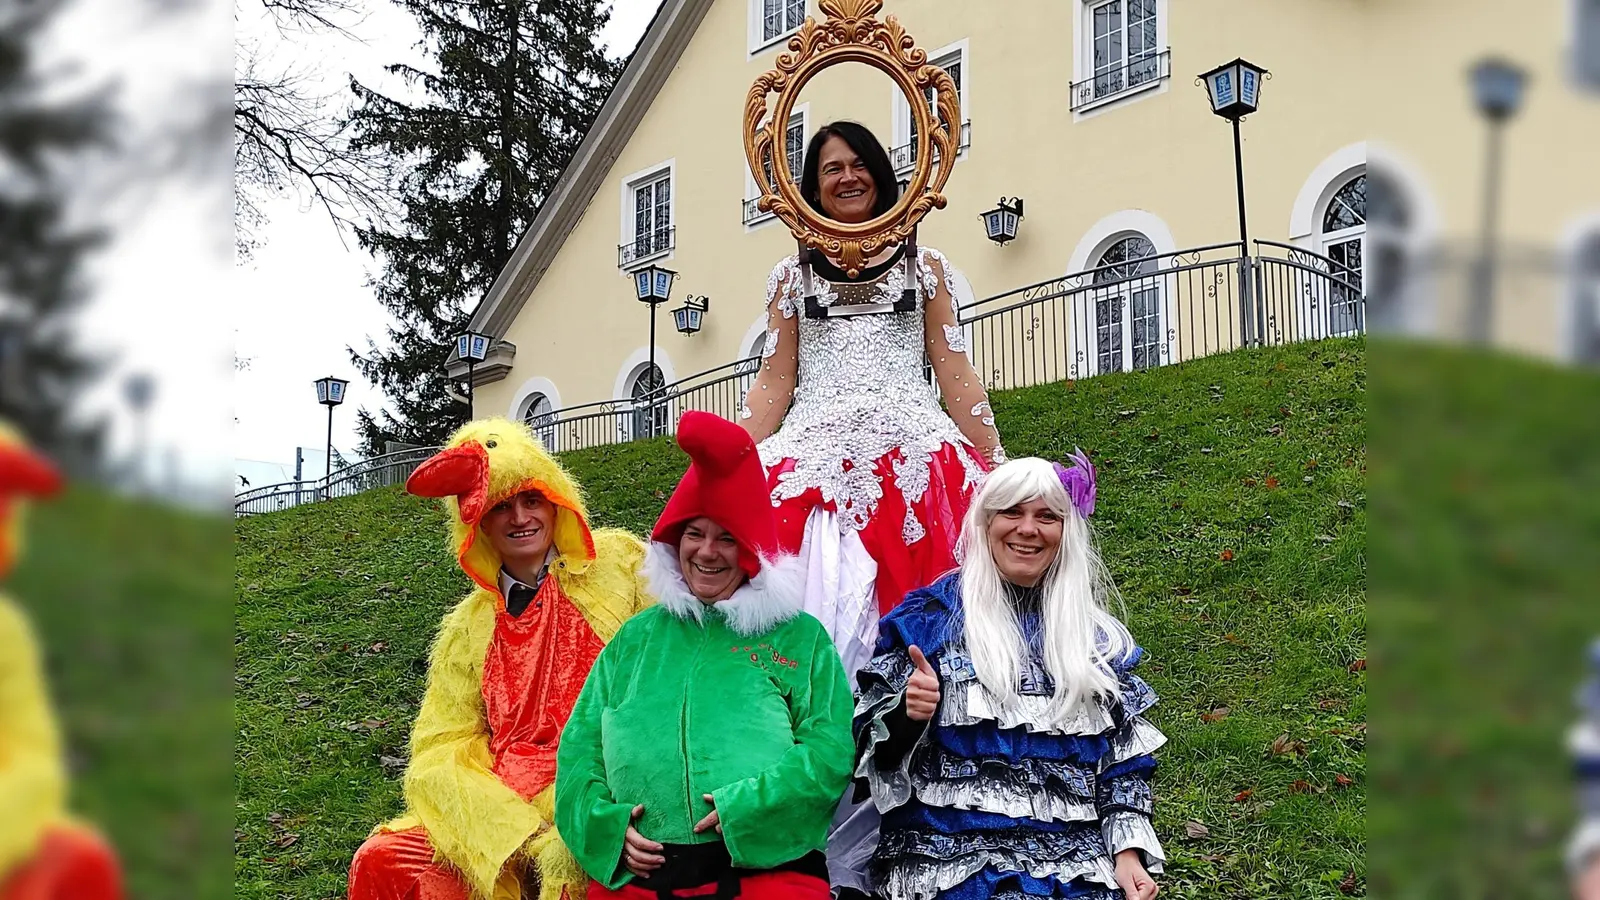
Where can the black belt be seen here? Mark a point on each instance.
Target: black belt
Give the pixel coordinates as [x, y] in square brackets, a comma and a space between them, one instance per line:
[694, 865]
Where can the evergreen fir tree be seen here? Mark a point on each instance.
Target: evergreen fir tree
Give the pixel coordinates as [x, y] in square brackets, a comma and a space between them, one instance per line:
[514, 86]
[42, 253]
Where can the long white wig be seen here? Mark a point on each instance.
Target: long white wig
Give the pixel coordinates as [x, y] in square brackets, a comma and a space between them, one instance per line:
[1080, 635]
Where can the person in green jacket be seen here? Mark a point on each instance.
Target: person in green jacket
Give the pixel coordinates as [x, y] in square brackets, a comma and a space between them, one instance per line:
[711, 742]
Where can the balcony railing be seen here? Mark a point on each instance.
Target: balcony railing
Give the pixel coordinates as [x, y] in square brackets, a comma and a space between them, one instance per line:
[753, 213]
[904, 157]
[1133, 75]
[648, 246]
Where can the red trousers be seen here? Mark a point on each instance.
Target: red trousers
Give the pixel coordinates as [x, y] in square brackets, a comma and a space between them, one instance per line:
[766, 886]
[72, 864]
[400, 866]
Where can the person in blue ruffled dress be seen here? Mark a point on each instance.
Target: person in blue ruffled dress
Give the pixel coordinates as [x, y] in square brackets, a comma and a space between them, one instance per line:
[1002, 731]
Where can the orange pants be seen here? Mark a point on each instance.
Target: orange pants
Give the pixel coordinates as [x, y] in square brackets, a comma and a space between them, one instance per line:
[400, 866]
[72, 864]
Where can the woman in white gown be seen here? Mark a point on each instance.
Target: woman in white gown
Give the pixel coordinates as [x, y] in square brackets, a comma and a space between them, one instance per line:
[869, 474]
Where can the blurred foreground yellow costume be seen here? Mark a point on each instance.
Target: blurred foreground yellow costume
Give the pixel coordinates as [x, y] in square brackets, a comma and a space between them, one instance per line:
[479, 788]
[43, 855]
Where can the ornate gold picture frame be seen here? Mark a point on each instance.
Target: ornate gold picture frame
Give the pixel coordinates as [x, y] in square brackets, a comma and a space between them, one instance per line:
[852, 33]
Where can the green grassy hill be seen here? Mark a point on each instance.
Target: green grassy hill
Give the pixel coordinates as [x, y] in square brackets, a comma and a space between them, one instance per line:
[1232, 514]
[130, 604]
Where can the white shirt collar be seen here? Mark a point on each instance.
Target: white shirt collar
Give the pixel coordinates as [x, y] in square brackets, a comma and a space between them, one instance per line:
[507, 580]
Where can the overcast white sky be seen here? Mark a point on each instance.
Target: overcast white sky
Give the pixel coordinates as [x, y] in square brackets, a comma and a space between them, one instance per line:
[303, 300]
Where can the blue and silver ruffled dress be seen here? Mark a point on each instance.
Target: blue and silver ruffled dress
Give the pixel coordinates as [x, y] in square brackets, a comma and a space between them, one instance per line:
[987, 803]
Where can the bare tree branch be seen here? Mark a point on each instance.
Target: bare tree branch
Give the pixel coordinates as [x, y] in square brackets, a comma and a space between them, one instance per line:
[287, 135]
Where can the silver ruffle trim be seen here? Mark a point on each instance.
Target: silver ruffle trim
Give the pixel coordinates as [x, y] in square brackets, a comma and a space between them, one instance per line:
[966, 701]
[1126, 830]
[922, 878]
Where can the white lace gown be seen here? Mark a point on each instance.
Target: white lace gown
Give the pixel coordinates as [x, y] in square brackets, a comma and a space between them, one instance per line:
[869, 475]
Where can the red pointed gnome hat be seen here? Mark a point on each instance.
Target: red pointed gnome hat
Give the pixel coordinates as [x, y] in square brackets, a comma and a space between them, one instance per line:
[725, 483]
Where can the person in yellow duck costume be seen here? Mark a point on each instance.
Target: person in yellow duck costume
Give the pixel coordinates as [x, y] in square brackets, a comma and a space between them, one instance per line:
[505, 671]
[44, 855]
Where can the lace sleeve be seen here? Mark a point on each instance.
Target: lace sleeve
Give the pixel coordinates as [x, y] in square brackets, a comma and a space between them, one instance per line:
[964, 395]
[768, 398]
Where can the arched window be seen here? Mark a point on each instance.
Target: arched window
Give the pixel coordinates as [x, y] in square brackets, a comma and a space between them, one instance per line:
[649, 419]
[1386, 256]
[1586, 301]
[539, 415]
[1342, 235]
[1128, 319]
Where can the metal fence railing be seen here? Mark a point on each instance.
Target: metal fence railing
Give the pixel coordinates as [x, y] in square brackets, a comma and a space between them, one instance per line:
[380, 471]
[1136, 314]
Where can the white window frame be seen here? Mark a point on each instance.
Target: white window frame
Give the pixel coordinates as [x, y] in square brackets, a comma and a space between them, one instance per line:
[900, 105]
[1083, 60]
[752, 191]
[758, 40]
[628, 233]
[1322, 242]
[1088, 308]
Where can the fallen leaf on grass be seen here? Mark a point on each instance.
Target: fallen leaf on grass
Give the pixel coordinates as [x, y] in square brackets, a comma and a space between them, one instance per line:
[1301, 786]
[1348, 885]
[287, 841]
[1226, 556]
[1243, 795]
[1285, 745]
[1332, 703]
[1195, 830]
[1272, 483]
[1359, 665]
[1216, 715]
[1343, 780]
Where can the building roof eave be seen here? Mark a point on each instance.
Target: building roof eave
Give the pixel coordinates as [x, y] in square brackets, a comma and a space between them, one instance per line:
[647, 70]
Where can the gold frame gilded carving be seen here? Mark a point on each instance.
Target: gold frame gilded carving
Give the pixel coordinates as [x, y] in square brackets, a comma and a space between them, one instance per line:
[852, 33]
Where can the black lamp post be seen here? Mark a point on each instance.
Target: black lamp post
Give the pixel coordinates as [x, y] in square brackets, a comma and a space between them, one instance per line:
[1235, 92]
[330, 393]
[1000, 223]
[1497, 90]
[691, 315]
[139, 389]
[653, 285]
[471, 348]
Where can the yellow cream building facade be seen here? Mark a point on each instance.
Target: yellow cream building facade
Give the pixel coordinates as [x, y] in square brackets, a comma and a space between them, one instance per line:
[1088, 110]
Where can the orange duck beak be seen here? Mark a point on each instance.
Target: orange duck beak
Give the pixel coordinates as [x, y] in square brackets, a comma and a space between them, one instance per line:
[461, 472]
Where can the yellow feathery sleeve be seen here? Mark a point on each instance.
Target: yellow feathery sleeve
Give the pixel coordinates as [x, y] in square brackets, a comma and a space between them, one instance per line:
[474, 820]
[33, 782]
[611, 589]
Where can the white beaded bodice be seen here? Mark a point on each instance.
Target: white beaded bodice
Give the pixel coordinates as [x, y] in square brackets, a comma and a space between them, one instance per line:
[861, 392]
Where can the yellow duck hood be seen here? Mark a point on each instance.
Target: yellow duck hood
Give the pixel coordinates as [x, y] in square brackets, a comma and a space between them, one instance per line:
[485, 462]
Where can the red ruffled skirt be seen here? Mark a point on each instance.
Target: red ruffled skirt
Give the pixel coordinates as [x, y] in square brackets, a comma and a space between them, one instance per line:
[903, 565]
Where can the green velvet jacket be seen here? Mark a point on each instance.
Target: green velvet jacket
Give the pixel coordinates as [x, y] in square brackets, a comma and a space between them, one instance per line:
[745, 700]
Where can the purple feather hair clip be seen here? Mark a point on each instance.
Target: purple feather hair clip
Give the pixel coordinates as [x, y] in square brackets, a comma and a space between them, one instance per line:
[1078, 479]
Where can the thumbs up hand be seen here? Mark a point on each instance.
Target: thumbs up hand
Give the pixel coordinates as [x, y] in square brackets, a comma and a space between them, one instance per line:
[922, 691]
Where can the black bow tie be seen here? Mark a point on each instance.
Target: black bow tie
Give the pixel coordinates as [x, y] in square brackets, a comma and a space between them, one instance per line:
[521, 595]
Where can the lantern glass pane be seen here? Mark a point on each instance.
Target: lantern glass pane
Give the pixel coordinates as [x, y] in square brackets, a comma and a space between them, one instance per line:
[992, 223]
[641, 285]
[480, 346]
[462, 346]
[1011, 224]
[322, 392]
[680, 318]
[1222, 90]
[336, 392]
[694, 320]
[1249, 87]
[663, 284]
